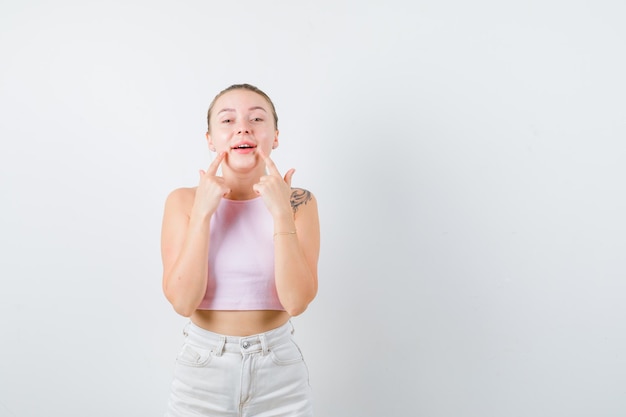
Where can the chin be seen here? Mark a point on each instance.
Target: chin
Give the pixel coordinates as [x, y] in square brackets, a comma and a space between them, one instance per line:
[237, 163]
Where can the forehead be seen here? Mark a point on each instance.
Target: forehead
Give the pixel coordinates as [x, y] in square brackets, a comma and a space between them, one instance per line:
[240, 99]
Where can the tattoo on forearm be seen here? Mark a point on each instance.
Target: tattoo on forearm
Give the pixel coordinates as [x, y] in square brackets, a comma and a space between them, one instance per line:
[299, 196]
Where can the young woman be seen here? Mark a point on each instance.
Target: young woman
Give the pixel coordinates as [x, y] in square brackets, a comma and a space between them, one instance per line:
[240, 256]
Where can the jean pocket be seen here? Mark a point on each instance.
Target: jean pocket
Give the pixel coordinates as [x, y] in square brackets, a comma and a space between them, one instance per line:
[286, 353]
[191, 355]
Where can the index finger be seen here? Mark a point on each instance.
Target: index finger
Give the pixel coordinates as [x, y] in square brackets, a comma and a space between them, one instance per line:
[271, 166]
[212, 170]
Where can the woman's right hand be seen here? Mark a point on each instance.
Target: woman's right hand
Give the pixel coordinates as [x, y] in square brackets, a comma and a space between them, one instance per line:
[210, 190]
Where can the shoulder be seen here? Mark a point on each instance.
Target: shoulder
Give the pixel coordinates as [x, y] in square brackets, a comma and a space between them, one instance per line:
[301, 198]
[182, 193]
[181, 198]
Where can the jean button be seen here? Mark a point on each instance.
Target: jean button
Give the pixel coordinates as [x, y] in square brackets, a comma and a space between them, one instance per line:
[245, 345]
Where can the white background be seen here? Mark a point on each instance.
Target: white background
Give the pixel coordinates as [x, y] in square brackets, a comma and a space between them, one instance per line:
[469, 163]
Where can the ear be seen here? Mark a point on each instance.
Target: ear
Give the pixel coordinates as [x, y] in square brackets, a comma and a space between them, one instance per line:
[210, 142]
[275, 142]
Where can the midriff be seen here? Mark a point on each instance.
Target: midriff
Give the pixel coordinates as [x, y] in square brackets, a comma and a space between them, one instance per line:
[239, 323]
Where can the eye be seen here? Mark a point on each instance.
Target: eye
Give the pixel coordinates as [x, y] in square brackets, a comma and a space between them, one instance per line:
[226, 121]
[257, 119]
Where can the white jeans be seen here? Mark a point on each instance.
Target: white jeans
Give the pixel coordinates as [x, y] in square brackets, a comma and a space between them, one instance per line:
[254, 376]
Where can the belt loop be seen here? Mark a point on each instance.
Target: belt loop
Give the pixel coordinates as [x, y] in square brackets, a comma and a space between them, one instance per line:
[293, 329]
[263, 343]
[220, 346]
[185, 332]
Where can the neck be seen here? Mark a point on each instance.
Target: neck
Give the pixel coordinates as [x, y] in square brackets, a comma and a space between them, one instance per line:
[240, 184]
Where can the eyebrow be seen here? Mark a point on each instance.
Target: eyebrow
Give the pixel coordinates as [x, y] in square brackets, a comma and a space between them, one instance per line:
[250, 109]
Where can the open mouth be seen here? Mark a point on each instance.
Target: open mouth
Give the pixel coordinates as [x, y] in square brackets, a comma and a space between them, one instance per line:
[245, 146]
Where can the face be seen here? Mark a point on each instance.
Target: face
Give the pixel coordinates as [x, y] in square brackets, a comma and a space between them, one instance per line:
[242, 122]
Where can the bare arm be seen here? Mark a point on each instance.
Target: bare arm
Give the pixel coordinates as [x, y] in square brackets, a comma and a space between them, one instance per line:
[185, 240]
[296, 254]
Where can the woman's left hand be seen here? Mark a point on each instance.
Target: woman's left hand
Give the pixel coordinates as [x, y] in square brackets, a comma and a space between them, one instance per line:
[274, 188]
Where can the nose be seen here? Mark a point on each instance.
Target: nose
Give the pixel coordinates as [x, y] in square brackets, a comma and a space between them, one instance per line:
[243, 128]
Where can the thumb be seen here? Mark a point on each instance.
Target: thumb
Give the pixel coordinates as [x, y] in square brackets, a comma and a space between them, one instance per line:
[288, 176]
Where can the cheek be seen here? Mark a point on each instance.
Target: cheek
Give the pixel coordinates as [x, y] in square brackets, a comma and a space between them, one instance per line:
[220, 142]
[268, 137]
[268, 144]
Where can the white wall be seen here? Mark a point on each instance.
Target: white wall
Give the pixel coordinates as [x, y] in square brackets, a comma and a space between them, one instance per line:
[469, 162]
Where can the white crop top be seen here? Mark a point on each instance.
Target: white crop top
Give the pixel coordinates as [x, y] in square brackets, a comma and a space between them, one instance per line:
[241, 258]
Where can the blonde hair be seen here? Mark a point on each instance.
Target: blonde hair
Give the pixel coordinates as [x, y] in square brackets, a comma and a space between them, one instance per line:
[241, 87]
